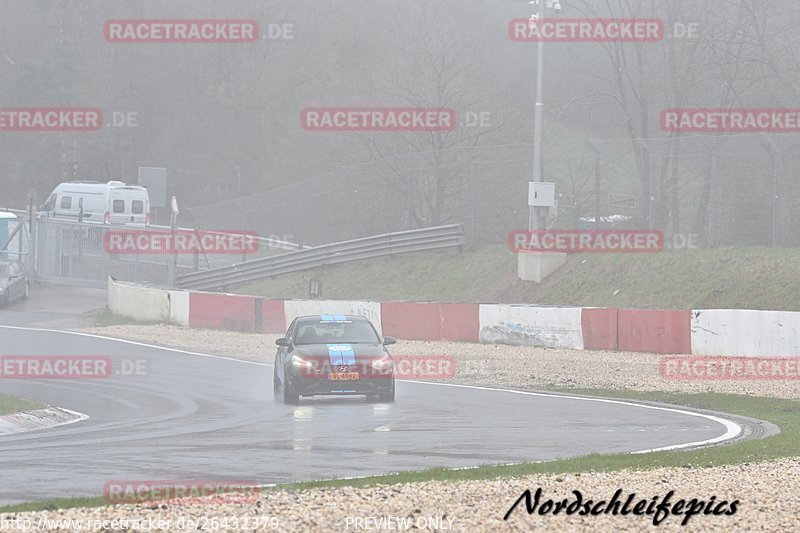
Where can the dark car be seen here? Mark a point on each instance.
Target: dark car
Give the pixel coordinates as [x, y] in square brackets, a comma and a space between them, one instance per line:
[14, 284]
[333, 355]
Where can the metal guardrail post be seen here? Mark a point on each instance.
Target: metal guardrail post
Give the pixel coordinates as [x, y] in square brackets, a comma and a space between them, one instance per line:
[173, 259]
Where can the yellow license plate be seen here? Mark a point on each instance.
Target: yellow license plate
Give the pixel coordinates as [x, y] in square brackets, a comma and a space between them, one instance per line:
[348, 376]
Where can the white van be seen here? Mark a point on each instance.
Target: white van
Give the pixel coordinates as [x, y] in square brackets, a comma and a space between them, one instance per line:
[102, 203]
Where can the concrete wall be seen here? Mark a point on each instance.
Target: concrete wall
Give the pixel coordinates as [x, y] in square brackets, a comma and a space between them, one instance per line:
[664, 332]
[745, 333]
[705, 332]
[600, 328]
[138, 303]
[179, 308]
[295, 308]
[231, 312]
[557, 327]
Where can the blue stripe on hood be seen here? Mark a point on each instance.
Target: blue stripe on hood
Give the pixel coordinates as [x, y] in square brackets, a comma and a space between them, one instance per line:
[341, 354]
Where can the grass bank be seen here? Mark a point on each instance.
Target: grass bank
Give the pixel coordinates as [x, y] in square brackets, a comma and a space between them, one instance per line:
[730, 278]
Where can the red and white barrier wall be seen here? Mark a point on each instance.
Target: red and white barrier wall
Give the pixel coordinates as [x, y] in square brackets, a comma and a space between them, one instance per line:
[711, 332]
[557, 327]
[665, 332]
[431, 321]
[139, 303]
[745, 333]
[295, 308]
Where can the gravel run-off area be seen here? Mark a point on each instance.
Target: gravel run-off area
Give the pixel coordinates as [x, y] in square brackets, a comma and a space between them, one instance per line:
[768, 494]
[492, 365]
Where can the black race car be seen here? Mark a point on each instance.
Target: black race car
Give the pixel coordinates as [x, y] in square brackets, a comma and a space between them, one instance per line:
[333, 355]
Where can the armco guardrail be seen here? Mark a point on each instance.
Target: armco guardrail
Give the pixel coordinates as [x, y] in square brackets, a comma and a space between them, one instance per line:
[18, 212]
[330, 254]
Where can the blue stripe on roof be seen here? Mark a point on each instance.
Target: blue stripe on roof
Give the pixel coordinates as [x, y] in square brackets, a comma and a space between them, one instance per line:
[333, 318]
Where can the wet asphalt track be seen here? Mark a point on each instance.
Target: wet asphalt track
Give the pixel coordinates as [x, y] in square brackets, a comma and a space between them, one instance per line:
[193, 417]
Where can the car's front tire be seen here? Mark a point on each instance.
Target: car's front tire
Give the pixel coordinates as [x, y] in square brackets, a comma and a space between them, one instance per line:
[387, 397]
[384, 397]
[287, 394]
[276, 390]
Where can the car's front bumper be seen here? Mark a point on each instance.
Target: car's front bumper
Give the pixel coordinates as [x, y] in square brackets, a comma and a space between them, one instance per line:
[323, 385]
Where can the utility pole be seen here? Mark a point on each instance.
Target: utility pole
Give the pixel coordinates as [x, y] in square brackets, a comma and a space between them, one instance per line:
[774, 153]
[173, 260]
[537, 221]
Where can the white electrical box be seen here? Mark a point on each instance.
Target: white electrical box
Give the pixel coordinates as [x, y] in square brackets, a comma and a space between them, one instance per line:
[541, 194]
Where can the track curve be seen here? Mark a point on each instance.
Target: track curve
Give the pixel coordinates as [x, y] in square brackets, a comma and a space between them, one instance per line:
[194, 416]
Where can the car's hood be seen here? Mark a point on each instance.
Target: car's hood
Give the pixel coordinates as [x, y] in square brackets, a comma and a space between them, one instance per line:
[335, 351]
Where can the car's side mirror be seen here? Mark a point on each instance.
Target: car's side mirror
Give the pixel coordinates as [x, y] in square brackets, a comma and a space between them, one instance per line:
[387, 341]
[282, 342]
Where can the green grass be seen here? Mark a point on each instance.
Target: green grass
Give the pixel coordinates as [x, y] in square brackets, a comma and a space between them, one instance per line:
[105, 318]
[784, 413]
[730, 278]
[10, 405]
[52, 505]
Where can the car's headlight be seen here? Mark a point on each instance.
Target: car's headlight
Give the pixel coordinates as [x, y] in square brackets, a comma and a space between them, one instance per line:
[299, 362]
[383, 364]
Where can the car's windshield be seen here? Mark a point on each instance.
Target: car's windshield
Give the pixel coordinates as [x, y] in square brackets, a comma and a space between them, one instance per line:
[335, 333]
[4, 270]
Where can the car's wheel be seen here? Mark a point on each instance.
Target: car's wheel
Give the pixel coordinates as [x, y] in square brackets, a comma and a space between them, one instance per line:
[387, 398]
[276, 390]
[384, 397]
[289, 396]
[27, 293]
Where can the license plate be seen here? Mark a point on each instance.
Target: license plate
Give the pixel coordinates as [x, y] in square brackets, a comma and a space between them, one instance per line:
[346, 376]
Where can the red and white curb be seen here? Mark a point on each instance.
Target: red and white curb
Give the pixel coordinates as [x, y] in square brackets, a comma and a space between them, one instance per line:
[49, 417]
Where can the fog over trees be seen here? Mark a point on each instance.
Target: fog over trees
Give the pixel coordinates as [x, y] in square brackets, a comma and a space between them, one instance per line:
[225, 118]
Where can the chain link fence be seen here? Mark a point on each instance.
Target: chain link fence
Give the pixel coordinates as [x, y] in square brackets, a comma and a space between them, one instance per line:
[72, 253]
